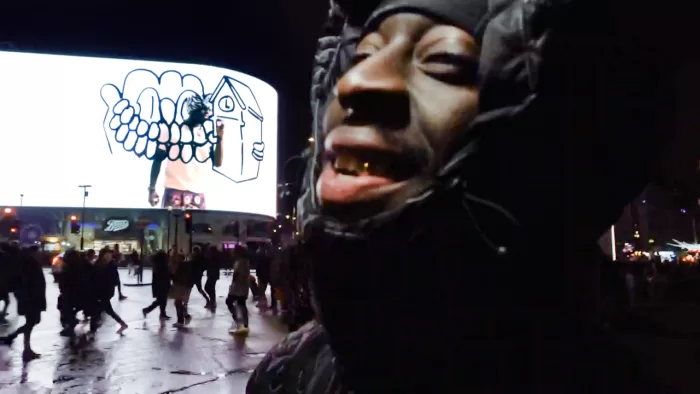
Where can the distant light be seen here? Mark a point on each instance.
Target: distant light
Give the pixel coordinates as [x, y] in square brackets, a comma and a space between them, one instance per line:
[13, 230]
[8, 210]
[682, 210]
[279, 226]
[644, 201]
[286, 216]
[311, 139]
[651, 240]
[73, 218]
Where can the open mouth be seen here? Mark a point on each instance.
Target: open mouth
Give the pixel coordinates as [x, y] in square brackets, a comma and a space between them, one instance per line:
[353, 175]
[353, 162]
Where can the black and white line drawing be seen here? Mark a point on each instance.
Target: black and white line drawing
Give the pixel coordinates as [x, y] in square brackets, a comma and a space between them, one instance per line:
[148, 116]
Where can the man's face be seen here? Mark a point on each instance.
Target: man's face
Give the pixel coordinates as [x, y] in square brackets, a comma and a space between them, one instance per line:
[201, 115]
[397, 112]
[108, 257]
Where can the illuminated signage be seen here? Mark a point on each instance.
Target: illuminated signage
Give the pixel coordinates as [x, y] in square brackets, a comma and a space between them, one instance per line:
[143, 134]
[116, 225]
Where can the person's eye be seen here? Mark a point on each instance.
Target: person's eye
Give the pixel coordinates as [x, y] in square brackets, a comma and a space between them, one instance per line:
[451, 68]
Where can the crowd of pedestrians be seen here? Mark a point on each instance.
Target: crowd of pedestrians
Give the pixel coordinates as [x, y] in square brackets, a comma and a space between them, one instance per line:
[89, 280]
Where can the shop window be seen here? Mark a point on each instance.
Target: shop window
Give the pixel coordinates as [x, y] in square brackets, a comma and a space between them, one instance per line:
[259, 229]
[231, 230]
[202, 228]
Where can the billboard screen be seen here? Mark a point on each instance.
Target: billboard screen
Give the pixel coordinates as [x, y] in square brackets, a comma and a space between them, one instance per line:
[141, 134]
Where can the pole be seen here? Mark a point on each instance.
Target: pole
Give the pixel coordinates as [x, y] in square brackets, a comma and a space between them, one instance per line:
[170, 212]
[82, 217]
[21, 200]
[190, 241]
[177, 222]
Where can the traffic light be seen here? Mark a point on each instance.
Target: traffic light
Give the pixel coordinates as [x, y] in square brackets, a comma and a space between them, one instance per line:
[74, 225]
[9, 226]
[188, 223]
[15, 227]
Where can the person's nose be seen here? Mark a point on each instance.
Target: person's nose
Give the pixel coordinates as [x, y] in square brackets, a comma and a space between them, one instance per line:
[375, 91]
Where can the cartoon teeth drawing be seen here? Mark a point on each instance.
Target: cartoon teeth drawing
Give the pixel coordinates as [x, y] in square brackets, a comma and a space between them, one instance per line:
[146, 115]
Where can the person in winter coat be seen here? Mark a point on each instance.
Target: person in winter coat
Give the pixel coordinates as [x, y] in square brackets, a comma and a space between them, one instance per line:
[160, 285]
[5, 276]
[77, 290]
[31, 299]
[105, 280]
[238, 291]
[181, 270]
[213, 268]
[199, 266]
[452, 138]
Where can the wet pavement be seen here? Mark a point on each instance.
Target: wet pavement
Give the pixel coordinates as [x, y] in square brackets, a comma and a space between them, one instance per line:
[149, 358]
[156, 358]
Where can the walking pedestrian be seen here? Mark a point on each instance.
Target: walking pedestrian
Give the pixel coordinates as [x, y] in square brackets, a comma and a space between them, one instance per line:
[31, 300]
[238, 291]
[160, 285]
[213, 274]
[181, 288]
[106, 278]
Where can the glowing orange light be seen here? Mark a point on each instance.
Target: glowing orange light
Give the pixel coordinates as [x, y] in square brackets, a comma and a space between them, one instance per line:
[8, 210]
[13, 230]
[73, 218]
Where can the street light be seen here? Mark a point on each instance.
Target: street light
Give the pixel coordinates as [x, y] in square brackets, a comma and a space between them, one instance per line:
[82, 219]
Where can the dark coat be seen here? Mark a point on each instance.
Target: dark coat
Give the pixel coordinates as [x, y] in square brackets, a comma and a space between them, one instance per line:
[31, 294]
[105, 279]
[161, 280]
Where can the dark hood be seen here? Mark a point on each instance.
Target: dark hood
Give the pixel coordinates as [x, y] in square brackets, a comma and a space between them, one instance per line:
[569, 112]
[571, 123]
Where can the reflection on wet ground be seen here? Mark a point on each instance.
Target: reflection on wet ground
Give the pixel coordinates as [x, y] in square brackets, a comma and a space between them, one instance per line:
[149, 358]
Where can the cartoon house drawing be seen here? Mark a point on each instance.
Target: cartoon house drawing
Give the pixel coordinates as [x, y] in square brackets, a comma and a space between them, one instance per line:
[234, 103]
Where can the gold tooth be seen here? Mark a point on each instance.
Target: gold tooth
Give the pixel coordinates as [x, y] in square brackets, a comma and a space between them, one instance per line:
[347, 163]
[351, 164]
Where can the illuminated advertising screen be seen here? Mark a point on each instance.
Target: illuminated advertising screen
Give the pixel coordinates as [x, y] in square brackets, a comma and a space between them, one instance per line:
[141, 134]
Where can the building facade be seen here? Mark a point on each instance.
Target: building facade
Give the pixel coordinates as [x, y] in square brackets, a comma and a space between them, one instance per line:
[144, 231]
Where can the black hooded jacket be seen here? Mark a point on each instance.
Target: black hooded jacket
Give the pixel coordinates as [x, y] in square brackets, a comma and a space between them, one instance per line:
[573, 113]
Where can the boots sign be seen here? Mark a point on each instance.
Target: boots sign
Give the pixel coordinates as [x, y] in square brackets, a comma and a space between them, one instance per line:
[116, 225]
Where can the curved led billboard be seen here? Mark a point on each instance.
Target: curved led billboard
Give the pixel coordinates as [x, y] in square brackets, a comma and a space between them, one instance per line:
[141, 134]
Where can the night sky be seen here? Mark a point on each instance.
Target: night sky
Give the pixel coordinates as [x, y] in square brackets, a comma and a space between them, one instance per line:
[273, 40]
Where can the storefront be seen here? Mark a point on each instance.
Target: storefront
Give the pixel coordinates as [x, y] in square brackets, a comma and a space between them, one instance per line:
[135, 229]
[120, 232]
